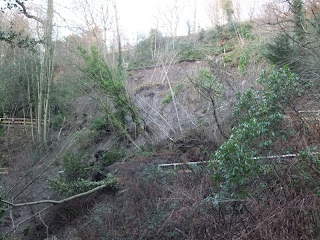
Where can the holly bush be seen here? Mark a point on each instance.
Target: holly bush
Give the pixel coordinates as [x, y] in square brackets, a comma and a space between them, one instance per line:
[259, 116]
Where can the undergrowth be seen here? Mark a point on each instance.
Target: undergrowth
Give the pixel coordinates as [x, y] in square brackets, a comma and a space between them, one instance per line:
[259, 115]
[248, 198]
[78, 173]
[68, 188]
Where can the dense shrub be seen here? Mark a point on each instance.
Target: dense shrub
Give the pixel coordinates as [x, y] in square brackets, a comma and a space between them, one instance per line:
[111, 157]
[56, 121]
[77, 172]
[112, 84]
[259, 116]
[74, 166]
[69, 188]
[85, 137]
[191, 52]
[280, 51]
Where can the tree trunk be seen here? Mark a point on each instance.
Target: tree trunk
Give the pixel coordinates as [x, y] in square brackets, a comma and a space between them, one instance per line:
[48, 68]
[298, 13]
[29, 101]
[214, 112]
[120, 60]
[40, 107]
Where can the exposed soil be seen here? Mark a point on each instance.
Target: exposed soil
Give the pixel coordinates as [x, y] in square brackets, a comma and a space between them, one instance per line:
[164, 119]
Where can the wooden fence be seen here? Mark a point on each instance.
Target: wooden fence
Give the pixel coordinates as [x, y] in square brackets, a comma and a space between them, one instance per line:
[4, 171]
[19, 121]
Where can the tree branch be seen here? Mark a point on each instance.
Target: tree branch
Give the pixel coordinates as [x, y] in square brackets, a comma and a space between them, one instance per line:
[24, 11]
[54, 202]
[27, 219]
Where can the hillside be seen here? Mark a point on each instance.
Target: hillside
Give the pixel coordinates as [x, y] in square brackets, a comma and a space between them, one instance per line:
[214, 135]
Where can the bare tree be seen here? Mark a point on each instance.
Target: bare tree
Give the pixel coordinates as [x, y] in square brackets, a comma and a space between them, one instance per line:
[237, 10]
[120, 60]
[98, 24]
[214, 12]
[228, 8]
[170, 18]
[45, 76]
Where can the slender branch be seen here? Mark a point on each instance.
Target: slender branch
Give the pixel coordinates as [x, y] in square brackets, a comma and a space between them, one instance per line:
[27, 219]
[166, 69]
[152, 109]
[47, 227]
[54, 202]
[155, 122]
[24, 11]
